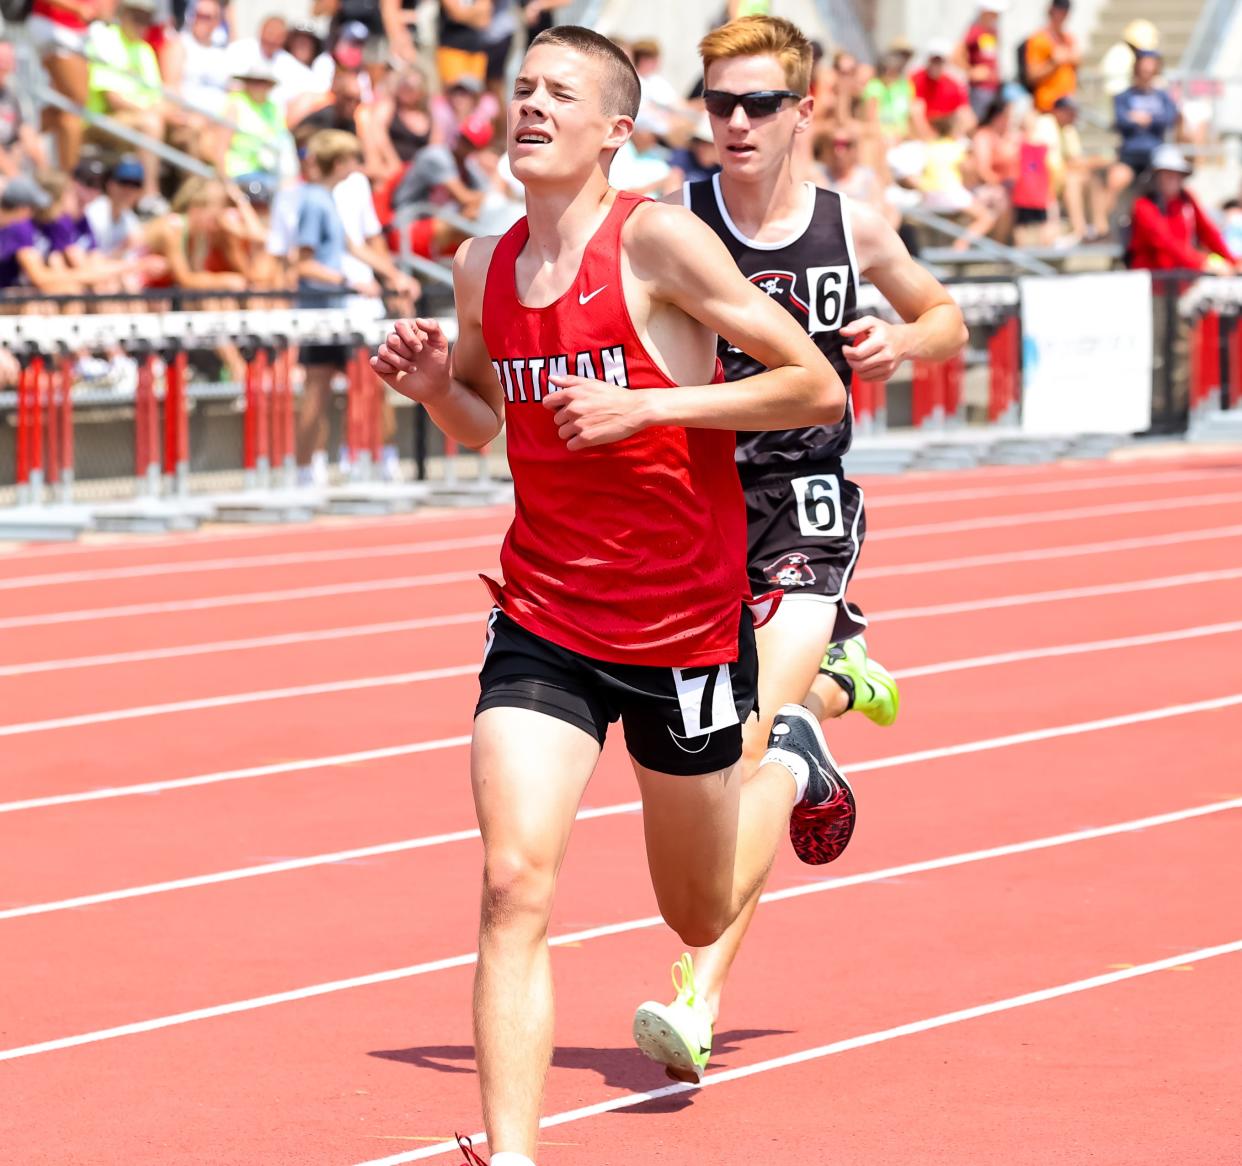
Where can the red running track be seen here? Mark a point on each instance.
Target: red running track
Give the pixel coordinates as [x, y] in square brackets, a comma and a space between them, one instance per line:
[239, 914]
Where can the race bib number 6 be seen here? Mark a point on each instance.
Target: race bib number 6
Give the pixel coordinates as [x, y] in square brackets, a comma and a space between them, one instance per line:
[827, 286]
[818, 499]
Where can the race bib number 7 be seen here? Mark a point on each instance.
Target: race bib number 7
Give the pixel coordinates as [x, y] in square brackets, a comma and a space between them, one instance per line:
[706, 698]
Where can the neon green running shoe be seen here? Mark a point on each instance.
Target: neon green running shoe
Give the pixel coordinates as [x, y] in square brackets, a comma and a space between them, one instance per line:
[677, 1035]
[875, 690]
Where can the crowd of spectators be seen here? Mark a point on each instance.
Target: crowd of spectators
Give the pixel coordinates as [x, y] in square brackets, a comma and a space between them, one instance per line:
[330, 144]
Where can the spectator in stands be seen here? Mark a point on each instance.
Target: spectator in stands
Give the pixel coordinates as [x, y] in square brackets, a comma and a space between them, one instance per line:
[462, 101]
[292, 78]
[65, 241]
[347, 49]
[125, 81]
[321, 246]
[1117, 64]
[1077, 179]
[20, 146]
[978, 56]
[396, 125]
[260, 144]
[944, 186]
[937, 91]
[537, 15]
[340, 111]
[209, 238]
[699, 158]
[205, 68]
[1143, 115]
[400, 30]
[498, 38]
[1052, 59]
[453, 178]
[888, 98]
[1169, 230]
[23, 268]
[995, 152]
[461, 47]
[1231, 212]
[304, 43]
[642, 164]
[659, 104]
[89, 177]
[837, 151]
[111, 216]
[57, 31]
[849, 78]
[1032, 195]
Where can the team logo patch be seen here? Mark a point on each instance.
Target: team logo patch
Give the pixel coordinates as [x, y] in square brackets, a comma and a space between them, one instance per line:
[779, 285]
[791, 570]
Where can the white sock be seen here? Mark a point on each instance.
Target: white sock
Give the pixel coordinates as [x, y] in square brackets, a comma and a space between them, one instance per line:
[797, 766]
[509, 1158]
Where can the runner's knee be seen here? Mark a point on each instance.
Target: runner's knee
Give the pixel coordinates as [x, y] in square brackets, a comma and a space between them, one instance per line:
[517, 890]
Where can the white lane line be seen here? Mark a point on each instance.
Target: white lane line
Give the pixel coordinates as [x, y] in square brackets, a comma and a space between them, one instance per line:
[236, 698]
[248, 562]
[1109, 511]
[1087, 646]
[244, 598]
[724, 1076]
[975, 605]
[422, 843]
[1068, 551]
[207, 649]
[629, 925]
[396, 550]
[241, 600]
[357, 630]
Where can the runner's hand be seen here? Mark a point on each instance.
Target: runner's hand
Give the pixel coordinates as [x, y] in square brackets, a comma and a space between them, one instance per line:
[878, 351]
[594, 413]
[414, 360]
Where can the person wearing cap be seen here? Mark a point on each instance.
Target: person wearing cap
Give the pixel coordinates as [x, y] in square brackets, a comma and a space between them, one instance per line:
[1169, 229]
[937, 91]
[125, 81]
[1117, 64]
[261, 144]
[23, 268]
[1052, 59]
[111, 216]
[888, 98]
[978, 56]
[699, 159]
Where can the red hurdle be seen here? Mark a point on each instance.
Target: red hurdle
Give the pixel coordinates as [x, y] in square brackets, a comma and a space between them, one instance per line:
[1004, 372]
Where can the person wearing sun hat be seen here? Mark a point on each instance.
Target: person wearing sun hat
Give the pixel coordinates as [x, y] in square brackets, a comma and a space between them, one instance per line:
[1169, 229]
[261, 143]
[1117, 64]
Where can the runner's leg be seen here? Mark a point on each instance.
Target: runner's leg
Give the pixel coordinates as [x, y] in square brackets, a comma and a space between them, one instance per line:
[528, 771]
[790, 650]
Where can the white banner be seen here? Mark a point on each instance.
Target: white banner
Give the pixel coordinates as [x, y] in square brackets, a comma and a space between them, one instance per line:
[1087, 353]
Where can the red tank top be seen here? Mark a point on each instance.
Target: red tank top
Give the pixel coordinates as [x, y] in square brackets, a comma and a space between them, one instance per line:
[632, 552]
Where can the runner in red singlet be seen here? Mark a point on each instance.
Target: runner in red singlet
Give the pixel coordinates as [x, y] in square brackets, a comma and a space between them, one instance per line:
[590, 329]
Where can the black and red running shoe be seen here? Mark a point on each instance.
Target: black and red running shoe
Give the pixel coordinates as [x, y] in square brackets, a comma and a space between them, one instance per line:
[468, 1153]
[823, 821]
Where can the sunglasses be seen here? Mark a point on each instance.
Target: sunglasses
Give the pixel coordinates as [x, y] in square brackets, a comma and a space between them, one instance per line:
[762, 103]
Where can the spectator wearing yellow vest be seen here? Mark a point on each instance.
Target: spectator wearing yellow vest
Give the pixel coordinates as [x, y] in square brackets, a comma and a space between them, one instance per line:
[261, 144]
[124, 81]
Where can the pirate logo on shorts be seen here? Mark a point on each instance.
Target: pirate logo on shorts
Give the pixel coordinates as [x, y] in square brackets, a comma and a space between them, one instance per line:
[791, 570]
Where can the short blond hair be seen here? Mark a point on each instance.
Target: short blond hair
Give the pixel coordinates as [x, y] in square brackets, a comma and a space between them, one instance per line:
[762, 36]
[326, 148]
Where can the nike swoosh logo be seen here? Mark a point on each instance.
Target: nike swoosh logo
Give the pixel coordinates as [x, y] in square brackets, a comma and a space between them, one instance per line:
[584, 300]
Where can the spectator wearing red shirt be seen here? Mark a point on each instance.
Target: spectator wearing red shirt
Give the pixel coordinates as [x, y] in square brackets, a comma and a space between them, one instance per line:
[1169, 229]
[978, 56]
[941, 94]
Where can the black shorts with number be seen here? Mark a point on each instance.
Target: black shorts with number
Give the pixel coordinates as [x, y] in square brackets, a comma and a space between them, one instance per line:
[805, 531]
[684, 721]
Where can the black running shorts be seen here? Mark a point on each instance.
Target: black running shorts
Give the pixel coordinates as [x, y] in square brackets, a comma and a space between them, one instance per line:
[805, 531]
[684, 721]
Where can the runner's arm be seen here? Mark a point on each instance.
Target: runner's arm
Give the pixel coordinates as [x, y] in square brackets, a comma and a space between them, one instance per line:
[687, 265]
[933, 328]
[458, 388]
